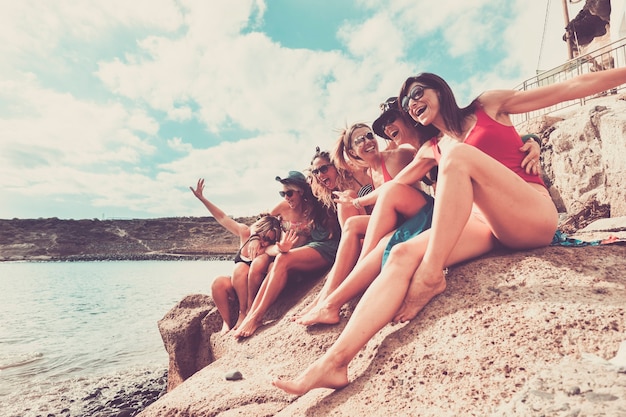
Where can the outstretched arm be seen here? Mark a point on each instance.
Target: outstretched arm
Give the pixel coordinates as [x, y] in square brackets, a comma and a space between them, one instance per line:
[514, 102]
[229, 224]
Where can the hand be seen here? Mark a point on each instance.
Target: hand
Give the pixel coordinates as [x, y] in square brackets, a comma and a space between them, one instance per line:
[287, 241]
[530, 163]
[199, 189]
[254, 248]
[342, 197]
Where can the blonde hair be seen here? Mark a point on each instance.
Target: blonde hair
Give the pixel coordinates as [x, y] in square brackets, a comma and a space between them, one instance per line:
[341, 156]
[267, 223]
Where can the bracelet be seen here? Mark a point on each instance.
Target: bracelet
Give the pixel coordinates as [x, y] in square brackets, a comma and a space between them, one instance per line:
[356, 204]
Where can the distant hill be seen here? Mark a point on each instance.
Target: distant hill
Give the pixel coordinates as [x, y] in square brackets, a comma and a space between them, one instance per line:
[163, 238]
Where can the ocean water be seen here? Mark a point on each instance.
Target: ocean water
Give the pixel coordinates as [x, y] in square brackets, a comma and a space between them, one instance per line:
[74, 331]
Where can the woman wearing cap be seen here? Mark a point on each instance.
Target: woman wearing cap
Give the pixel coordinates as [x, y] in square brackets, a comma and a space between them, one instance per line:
[309, 243]
[483, 198]
[251, 259]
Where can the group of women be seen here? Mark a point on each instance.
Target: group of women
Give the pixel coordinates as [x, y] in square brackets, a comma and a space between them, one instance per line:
[395, 242]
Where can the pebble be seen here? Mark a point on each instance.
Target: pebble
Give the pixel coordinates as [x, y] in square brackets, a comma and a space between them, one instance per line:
[233, 376]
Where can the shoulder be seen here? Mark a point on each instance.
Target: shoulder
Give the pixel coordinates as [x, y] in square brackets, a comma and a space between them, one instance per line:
[400, 153]
[279, 209]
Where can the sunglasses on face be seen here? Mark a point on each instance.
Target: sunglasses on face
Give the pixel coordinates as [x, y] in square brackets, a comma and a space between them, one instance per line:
[359, 140]
[321, 170]
[287, 193]
[415, 94]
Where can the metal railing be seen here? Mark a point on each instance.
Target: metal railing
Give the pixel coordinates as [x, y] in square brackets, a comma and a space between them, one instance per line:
[612, 55]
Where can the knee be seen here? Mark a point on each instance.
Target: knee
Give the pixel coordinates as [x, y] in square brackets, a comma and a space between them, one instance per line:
[350, 227]
[281, 263]
[221, 284]
[402, 254]
[456, 159]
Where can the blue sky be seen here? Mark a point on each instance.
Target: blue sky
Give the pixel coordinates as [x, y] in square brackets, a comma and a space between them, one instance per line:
[112, 109]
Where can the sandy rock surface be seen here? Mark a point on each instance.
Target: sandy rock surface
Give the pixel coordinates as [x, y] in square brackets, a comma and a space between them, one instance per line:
[515, 334]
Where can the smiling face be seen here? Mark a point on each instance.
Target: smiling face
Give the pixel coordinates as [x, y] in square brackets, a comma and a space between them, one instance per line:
[324, 172]
[292, 195]
[401, 132]
[421, 103]
[363, 143]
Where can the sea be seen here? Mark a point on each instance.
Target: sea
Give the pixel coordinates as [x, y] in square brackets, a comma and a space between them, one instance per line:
[79, 338]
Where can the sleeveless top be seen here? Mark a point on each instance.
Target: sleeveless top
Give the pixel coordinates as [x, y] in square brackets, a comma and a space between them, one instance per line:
[501, 143]
[368, 188]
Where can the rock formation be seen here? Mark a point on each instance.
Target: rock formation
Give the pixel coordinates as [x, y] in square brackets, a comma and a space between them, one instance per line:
[514, 334]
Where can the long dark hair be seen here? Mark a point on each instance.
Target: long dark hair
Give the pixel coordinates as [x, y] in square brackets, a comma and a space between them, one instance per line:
[453, 115]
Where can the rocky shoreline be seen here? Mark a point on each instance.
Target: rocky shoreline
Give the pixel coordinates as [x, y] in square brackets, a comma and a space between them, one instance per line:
[168, 239]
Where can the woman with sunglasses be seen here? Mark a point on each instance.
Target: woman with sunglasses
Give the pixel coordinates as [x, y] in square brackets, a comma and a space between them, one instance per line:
[251, 260]
[397, 128]
[484, 198]
[325, 178]
[309, 243]
[357, 150]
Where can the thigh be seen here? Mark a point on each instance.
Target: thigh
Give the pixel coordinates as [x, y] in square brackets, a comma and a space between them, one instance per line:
[519, 214]
[303, 258]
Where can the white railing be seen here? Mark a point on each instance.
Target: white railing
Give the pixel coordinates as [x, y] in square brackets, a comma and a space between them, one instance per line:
[609, 56]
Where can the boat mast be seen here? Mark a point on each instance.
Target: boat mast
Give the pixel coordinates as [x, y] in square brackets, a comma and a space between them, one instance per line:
[570, 53]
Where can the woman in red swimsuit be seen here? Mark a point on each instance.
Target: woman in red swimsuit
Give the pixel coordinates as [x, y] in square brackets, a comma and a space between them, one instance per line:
[482, 198]
[357, 151]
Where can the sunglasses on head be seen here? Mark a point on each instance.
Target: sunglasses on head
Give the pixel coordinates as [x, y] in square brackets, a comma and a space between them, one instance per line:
[321, 170]
[287, 193]
[391, 104]
[359, 140]
[415, 94]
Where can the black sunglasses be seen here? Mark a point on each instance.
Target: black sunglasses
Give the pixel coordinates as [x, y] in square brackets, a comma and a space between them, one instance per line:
[321, 170]
[287, 193]
[415, 94]
[361, 139]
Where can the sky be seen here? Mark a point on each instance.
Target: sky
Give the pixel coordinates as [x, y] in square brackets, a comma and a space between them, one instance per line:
[113, 109]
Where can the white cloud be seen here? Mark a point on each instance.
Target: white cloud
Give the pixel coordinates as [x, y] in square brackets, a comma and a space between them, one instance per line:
[89, 87]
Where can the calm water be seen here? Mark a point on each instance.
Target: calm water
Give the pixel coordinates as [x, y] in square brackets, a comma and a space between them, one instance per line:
[68, 327]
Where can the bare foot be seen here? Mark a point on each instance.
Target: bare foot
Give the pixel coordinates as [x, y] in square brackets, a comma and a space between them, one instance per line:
[320, 315]
[247, 327]
[320, 374]
[240, 320]
[419, 294]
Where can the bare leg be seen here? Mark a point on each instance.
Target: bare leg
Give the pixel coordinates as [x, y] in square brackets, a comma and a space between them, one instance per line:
[223, 293]
[347, 254]
[327, 311]
[345, 211]
[476, 240]
[258, 271]
[240, 284]
[376, 308]
[301, 259]
[467, 176]
[395, 201]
